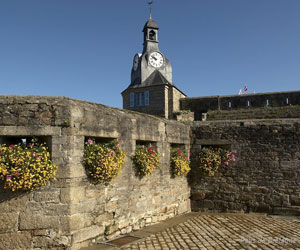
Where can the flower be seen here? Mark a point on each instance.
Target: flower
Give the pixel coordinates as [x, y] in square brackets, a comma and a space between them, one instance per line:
[119, 140]
[179, 162]
[103, 161]
[90, 141]
[209, 160]
[23, 170]
[145, 160]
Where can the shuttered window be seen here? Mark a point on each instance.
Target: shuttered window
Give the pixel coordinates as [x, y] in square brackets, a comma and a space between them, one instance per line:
[147, 98]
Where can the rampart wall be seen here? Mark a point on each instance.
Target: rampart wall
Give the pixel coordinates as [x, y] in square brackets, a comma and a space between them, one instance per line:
[71, 212]
[266, 176]
[244, 102]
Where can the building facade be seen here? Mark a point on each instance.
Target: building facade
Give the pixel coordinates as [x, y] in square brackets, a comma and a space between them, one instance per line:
[151, 89]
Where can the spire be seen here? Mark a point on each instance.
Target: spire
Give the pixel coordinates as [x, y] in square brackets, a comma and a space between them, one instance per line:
[150, 4]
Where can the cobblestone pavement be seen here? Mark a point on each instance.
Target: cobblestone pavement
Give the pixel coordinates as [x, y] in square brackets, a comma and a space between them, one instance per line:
[225, 231]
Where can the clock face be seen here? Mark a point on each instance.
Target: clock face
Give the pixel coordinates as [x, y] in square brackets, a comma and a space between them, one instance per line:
[135, 62]
[156, 59]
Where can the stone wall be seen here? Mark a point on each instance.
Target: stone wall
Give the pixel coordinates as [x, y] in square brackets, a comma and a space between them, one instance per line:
[265, 177]
[292, 111]
[201, 105]
[71, 212]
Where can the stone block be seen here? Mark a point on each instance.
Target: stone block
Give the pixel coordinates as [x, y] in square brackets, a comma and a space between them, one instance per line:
[87, 233]
[16, 241]
[73, 223]
[46, 196]
[295, 200]
[8, 222]
[72, 194]
[199, 195]
[38, 221]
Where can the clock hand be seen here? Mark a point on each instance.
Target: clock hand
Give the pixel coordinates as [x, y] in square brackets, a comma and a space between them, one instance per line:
[154, 58]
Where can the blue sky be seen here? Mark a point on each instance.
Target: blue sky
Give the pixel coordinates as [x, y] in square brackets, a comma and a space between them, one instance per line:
[84, 48]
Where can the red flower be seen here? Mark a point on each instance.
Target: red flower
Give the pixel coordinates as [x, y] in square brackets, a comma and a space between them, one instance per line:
[150, 149]
[179, 152]
[11, 146]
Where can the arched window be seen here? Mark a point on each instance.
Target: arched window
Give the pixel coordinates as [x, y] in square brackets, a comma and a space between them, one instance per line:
[152, 35]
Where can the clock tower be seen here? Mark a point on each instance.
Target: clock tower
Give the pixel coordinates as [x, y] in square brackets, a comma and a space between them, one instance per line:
[151, 89]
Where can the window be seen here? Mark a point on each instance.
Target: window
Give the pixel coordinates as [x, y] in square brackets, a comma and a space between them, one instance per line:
[152, 35]
[147, 98]
[268, 103]
[248, 103]
[131, 100]
[139, 99]
[229, 105]
[287, 101]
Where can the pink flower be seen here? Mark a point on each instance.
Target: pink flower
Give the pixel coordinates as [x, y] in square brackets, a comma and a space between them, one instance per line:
[153, 152]
[178, 152]
[226, 163]
[143, 146]
[8, 177]
[150, 149]
[11, 146]
[118, 145]
[116, 164]
[34, 153]
[38, 158]
[109, 154]
[112, 151]
[90, 141]
[234, 151]
[149, 157]
[119, 140]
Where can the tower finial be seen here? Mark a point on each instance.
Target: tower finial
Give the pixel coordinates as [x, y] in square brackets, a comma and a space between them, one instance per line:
[150, 4]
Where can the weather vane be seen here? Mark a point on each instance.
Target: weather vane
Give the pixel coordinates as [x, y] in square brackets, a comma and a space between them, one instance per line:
[150, 4]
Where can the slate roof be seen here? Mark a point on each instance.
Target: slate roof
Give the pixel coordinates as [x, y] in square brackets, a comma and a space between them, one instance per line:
[150, 24]
[156, 78]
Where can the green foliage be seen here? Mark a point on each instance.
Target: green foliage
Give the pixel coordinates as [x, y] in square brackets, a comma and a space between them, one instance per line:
[25, 166]
[103, 161]
[209, 160]
[145, 159]
[180, 163]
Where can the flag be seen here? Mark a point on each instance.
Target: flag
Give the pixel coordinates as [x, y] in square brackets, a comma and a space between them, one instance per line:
[245, 89]
[240, 92]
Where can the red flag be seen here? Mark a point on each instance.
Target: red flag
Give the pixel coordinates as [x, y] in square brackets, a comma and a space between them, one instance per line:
[245, 89]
